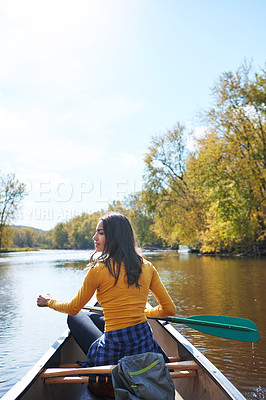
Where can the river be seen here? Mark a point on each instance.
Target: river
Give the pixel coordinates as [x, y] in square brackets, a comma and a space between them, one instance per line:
[233, 286]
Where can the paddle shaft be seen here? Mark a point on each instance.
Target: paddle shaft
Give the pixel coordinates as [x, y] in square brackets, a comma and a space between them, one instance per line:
[207, 323]
[192, 322]
[216, 325]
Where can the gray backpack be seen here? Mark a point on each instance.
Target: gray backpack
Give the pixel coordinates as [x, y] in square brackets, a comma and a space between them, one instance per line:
[142, 376]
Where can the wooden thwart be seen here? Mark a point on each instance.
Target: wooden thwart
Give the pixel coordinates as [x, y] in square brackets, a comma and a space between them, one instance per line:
[70, 374]
[86, 379]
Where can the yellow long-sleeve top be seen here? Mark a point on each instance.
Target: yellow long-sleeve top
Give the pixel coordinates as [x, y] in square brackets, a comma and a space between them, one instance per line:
[123, 306]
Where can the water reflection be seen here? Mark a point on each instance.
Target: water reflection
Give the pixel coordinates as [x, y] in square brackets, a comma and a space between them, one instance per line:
[222, 286]
[198, 285]
[26, 332]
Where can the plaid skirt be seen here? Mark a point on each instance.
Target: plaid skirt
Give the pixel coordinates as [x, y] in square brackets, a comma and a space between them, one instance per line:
[113, 345]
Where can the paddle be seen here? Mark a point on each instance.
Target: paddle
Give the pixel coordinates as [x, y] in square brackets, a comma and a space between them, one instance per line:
[221, 326]
[216, 325]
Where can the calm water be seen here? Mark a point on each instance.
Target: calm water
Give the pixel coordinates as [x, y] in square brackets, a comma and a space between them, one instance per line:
[198, 285]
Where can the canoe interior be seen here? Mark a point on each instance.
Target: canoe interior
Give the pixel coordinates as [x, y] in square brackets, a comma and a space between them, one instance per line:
[209, 384]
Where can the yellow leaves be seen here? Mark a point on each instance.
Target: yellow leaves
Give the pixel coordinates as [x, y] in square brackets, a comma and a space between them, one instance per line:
[7, 236]
[215, 238]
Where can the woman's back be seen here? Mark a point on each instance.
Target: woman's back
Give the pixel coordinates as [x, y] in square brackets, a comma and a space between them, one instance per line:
[124, 305]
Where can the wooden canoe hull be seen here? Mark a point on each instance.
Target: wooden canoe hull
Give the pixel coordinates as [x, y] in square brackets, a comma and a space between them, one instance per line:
[208, 384]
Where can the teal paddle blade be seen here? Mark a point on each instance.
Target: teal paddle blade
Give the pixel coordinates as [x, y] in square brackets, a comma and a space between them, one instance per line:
[221, 326]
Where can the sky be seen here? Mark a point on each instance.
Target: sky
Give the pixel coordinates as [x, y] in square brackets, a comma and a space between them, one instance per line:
[86, 84]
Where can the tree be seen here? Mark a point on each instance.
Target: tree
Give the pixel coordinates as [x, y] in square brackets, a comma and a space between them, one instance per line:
[7, 238]
[142, 222]
[12, 193]
[215, 197]
[30, 237]
[165, 167]
[60, 236]
[238, 175]
[169, 192]
[24, 237]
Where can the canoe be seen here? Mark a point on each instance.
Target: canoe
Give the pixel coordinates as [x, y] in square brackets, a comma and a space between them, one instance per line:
[196, 379]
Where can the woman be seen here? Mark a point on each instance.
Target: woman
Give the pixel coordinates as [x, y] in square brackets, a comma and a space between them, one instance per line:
[121, 279]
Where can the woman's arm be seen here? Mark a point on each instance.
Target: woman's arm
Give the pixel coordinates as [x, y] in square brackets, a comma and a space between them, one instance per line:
[78, 302]
[166, 306]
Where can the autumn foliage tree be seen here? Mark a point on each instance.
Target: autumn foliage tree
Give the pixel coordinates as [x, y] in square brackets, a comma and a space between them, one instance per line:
[237, 172]
[12, 193]
[215, 197]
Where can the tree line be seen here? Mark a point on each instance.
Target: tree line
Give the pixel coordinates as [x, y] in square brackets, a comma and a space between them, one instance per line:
[78, 232]
[211, 197]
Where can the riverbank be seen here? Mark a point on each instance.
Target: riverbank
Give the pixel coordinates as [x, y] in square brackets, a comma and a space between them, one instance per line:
[18, 249]
[152, 249]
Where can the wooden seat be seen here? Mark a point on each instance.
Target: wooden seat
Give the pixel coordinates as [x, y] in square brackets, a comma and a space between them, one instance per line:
[72, 373]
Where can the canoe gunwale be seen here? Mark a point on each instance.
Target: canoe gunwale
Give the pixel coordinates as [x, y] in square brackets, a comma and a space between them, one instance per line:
[17, 391]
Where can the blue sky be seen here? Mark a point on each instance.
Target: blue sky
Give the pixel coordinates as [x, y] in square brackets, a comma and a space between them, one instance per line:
[84, 85]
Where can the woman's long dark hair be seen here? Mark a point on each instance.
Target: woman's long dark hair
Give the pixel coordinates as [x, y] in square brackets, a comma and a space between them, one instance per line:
[120, 247]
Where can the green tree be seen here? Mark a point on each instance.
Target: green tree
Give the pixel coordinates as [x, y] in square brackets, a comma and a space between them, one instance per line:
[142, 222]
[24, 237]
[43, 239]
[214, 198]
[12, 193]
[169, 192]
[117, 206]
[18, 237]
[165, 168]
[7, 237]
[30, 237]
[81, 230]
[60, 236]
[237, 174]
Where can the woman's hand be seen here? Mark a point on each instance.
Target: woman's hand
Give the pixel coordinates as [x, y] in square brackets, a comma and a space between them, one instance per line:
[43, 301]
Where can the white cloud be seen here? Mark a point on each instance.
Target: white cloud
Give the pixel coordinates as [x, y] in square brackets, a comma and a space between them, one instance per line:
[116, 107]
[58, 154]
[22, 147]
[130, 160]
[99, 114]
[11, 128]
